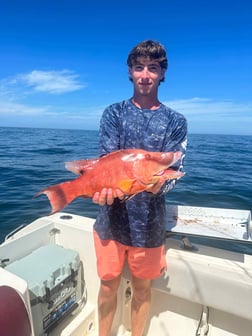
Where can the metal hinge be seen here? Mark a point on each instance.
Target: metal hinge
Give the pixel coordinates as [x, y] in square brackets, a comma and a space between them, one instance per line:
[203, 326]
[54, 231]
[187, 245]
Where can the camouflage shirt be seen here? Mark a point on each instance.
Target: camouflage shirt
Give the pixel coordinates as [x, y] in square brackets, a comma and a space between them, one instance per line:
[139, 221]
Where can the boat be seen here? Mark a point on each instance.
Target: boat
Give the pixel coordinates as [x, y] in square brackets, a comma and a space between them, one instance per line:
[49, 284]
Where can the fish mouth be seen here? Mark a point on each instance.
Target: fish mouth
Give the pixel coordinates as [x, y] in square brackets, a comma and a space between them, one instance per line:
[170, 173]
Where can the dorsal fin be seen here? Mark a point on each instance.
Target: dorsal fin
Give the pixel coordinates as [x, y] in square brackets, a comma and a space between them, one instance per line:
[79, 167]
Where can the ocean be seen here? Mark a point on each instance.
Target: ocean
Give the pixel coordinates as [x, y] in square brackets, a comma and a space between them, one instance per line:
[217, 167]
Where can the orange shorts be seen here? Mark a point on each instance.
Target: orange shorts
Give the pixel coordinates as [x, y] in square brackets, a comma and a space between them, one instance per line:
[144, 263]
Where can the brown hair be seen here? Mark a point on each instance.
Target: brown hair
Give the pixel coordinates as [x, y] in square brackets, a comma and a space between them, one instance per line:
[148, 49]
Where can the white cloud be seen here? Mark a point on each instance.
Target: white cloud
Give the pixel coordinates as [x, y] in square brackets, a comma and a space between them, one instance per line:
[193, 108]
[12, 109]
[214, 116]
[203, 114]
[211, 109]
[16, 109]
[53, 82]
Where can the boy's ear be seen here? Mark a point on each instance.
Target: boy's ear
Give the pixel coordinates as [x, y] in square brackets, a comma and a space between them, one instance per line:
[163, 72]
[129, 72]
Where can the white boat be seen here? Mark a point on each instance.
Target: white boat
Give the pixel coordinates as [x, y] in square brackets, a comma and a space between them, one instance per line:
[49, 285]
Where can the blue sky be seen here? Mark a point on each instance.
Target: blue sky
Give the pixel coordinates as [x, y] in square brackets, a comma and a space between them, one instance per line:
[62, 62]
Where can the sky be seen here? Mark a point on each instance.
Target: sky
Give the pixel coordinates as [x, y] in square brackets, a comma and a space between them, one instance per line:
[62, 62]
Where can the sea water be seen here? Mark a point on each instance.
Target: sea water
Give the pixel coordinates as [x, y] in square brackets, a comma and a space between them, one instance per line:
[217, 167]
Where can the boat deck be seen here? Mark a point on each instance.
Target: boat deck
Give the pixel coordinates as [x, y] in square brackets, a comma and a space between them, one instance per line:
[205, 291]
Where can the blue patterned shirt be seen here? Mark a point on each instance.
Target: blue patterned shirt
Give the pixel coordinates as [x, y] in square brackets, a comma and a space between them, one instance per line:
[139, 221]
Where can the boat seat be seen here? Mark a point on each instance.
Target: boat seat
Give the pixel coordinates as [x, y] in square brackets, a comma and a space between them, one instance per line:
[14, 319]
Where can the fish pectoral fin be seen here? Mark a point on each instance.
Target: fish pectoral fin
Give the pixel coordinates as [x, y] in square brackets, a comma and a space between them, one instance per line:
[125, 185]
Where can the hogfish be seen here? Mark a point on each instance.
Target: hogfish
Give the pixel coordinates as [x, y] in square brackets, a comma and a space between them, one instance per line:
[131, 170]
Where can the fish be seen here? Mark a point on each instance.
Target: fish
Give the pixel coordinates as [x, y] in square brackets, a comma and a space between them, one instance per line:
[130, 170]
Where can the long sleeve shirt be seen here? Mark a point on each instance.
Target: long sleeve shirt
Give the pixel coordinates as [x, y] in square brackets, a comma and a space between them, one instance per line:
[139, 221]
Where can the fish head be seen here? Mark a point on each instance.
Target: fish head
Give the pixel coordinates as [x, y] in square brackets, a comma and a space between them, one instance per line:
[150, 166]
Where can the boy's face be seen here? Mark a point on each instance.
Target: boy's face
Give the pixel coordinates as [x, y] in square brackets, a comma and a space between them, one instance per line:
[146, 75]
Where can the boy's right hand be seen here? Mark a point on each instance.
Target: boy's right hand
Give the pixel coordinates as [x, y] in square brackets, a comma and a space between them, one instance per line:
[107, 196]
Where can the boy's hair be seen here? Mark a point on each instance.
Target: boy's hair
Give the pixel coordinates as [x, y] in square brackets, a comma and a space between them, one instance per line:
[148, 49]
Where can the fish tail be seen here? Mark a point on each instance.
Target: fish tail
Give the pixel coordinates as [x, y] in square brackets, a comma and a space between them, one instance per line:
[59, 195]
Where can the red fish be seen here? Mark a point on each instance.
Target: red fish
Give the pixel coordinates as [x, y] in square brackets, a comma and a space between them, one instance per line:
[131, 170]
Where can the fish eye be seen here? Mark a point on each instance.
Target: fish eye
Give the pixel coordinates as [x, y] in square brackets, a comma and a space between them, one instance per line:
[147, 156]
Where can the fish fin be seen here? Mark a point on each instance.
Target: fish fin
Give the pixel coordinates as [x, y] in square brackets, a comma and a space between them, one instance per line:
[125, 185]
[80, 166]
[59, 196]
